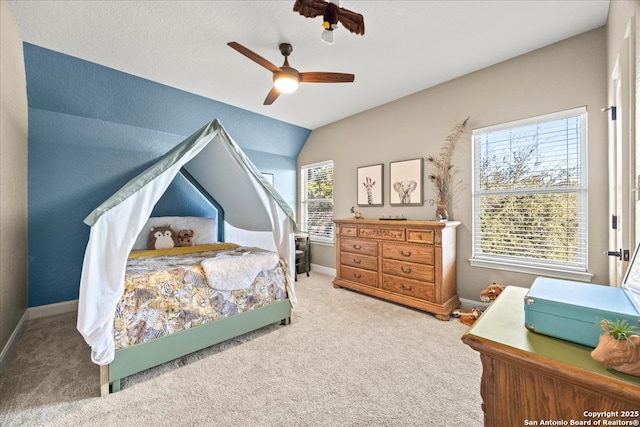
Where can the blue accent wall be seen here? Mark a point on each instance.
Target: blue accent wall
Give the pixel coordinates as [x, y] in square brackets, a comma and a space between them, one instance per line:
[92, 129]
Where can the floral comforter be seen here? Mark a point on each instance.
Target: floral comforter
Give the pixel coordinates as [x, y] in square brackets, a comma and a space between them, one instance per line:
[166, 291]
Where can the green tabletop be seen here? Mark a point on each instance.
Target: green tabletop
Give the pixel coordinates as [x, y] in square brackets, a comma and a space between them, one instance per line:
[503, 323]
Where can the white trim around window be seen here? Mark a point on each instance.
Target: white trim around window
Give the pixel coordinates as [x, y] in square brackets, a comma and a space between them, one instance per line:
[530, 196]
[316, 205]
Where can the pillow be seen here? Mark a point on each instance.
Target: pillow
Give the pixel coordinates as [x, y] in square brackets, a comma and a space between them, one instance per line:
[162, 237]
[205, 230]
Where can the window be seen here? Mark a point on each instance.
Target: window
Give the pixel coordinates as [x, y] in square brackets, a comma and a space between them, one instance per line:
[530, 196]
[317, 201]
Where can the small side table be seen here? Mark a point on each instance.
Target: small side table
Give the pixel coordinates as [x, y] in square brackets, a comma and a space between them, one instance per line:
[303, 253]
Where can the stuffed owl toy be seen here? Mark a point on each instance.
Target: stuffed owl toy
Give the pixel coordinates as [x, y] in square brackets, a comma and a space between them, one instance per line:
[162, 238]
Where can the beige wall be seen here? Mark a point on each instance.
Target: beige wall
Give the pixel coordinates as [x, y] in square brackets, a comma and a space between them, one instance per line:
[567, 74]
[620, 13]
[622, 22]
[13, 180]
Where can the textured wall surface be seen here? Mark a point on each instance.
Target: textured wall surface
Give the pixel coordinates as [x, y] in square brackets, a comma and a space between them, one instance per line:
[92, 129]
[13, 180]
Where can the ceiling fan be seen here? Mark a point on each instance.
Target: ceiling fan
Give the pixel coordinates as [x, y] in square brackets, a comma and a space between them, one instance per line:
[285, 78]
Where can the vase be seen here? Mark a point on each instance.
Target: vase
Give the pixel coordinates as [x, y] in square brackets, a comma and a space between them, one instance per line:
[622, 355]
[441, 206]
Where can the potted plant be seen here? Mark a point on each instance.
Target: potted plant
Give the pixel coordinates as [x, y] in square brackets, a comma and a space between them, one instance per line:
[619, 347]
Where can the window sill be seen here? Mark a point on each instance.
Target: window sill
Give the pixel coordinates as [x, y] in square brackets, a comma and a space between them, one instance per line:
[580, 276]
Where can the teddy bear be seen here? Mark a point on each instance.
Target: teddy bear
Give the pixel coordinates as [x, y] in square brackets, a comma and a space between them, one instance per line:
[162, 237]
[489, 294]
[185, 237]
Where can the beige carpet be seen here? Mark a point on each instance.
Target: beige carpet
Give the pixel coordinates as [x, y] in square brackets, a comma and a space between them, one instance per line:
[346, 360]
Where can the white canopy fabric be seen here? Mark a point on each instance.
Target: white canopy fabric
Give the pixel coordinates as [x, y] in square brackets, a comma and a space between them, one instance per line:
[255, 215]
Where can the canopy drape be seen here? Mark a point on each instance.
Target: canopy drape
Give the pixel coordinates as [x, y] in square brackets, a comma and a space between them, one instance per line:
[255, 215]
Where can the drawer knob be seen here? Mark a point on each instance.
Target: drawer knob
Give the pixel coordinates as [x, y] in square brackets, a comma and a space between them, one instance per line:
[406, 270]
[403, 253]
[405, 287]
[357, 247]
[357, 261]
[357, 275]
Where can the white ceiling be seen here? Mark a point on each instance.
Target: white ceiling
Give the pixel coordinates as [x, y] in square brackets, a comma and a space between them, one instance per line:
[408, 45]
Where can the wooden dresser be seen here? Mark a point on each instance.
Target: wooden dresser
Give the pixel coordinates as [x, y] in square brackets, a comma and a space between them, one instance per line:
[407, 262]
[528, 378]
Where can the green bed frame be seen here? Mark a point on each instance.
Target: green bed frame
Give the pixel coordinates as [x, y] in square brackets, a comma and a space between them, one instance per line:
[137, 358]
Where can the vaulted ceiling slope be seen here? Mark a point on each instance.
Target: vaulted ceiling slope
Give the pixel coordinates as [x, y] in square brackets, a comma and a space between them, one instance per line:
[408, 46]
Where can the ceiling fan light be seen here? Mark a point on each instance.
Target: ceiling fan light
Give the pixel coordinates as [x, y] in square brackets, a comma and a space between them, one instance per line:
[285, 83]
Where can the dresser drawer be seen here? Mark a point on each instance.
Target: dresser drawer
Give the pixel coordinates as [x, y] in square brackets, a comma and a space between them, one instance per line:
[411, 253]
[420, 236]
[346, 230]
[360, 261]
[363, 247]
[412, 288]
[409, 270]
[382, 233]
[358, 275]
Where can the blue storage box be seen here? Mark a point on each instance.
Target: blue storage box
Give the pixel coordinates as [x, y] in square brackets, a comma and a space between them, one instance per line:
[572, 311]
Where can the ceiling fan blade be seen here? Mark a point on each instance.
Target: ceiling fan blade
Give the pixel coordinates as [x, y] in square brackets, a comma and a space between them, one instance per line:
[254, 57]
[271, 96]
[320, 77]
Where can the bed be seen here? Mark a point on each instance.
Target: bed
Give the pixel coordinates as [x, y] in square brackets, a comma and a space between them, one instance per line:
[139, 308]
[182, 299]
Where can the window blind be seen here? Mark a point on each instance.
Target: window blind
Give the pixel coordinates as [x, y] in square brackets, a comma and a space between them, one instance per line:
[530, 192]
[317, 201]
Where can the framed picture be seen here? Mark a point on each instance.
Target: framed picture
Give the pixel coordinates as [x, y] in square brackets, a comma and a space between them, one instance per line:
[370, 185]
[405, 180]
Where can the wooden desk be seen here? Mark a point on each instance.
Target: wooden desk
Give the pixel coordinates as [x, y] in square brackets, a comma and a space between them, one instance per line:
[529, 378]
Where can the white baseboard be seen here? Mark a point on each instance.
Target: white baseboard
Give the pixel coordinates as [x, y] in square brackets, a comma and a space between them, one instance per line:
[7, 351]
[322, 269]
[52, 309]
[469, 303]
